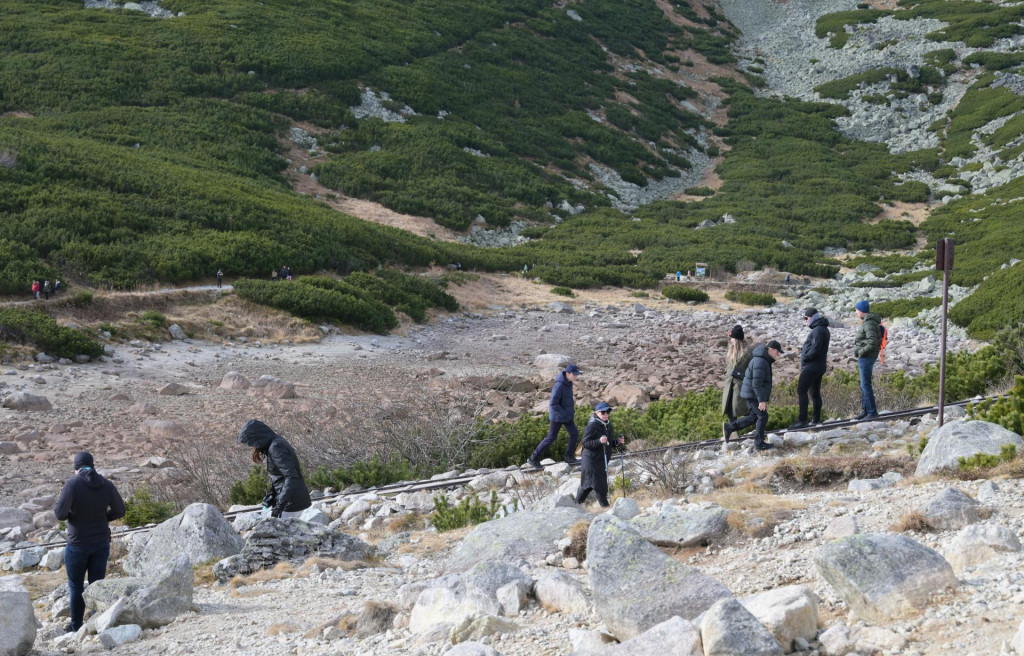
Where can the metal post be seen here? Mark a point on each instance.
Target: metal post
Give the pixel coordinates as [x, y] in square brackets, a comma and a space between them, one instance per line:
[943, 262]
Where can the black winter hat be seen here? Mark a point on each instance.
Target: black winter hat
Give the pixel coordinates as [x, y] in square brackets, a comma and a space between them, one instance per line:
[83, 459]
[810, 312]
[775, 345]
[736, 332]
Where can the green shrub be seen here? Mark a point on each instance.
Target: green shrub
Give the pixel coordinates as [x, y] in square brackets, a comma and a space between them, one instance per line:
[469, 512]
[367, 473]
[563, 291]
[700, 191]
[1007, 411]
[684, 293]
[909, 307]
[316, 303]
[141, 509]
[824, 291]
[985, 460]
[252, 490]
[154, 318]
[44, 333]
[80, 299]
[750, 298]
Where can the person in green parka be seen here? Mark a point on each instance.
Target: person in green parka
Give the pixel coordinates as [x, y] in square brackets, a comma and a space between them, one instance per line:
[866, 347]
[736, 360]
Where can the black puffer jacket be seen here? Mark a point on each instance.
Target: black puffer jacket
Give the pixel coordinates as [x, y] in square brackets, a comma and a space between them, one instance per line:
[815, 351]
[595, 458]
[757, 382]
[88, 502]
[288, 492]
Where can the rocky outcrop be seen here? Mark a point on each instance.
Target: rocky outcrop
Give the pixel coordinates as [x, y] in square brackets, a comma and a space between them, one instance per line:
[17, 620]
[728, 628]
[234, 380]
[789, 612]
[561, 592]
[200, 532]
[158, 601]
[952, 509]
[978, 543]
[683, 527]
[673, 637]
[273, 388]
[524, 535]
[963, 439]
[27, 402]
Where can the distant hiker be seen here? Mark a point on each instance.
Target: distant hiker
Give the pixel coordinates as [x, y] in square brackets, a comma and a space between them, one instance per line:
[526, 267]
[598, 449]
[458, 266]
[35, 289]
[757, 390]
[679, 276]
[866, 347]
[561, 412]
[220, 278]
[736, 360]
[813, 362]
[288, 495]
[87, 503]
[46, 289]
[56, 287]
[787, 278]
[273, 276]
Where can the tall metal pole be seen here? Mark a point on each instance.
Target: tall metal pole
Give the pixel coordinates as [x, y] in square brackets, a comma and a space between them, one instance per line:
[942, 355]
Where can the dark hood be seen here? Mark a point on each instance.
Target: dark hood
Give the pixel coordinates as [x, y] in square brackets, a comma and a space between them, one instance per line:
[91, 478]
[256, 434]
[562, 378]
[761, 351]
[817, 320]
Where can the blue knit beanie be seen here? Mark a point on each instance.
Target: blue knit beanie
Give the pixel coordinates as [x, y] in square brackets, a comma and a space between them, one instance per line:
[862, 306]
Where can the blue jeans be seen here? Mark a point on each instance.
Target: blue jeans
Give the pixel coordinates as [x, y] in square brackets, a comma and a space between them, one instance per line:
[79, 560]
[570, 451]
[867, 393]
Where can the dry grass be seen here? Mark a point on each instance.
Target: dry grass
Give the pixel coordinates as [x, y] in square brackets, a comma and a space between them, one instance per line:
[911, 521]
[578, 535]
[288, 570]
[346, 622]
[283, 627]
[376, 617]
[802, 472]
[42, 582]
[755, 511]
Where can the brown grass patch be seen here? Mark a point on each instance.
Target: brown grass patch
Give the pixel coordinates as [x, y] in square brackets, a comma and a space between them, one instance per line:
[578, 535]
[346, 622]
[832, 471]
[755, 511]
[911, 521]
[42, 582]
[376, 617]
[283, 627]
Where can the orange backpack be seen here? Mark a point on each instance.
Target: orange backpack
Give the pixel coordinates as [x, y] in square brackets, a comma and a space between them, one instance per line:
[885, 341]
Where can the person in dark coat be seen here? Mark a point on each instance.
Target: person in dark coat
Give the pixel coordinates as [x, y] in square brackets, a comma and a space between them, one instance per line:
[88, 503]
[813, 362]
[561, 412]
[288, 495]
[866, 346]
[757, 390]
[736, 360]
[598, 449]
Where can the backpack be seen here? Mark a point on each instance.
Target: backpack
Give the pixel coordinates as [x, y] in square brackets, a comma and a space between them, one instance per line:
[885, 341]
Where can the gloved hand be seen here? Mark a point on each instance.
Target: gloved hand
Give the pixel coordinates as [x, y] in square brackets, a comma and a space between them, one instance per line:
[277, 511]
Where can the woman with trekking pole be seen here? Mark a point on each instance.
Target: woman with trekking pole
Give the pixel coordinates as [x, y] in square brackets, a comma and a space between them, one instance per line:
[598, 450]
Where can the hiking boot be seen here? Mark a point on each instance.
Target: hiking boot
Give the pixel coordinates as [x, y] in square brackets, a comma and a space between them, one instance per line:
[726, 431]
[871, 415]
[799, 425]
[764, 446]
[68, 629]
[533, 462]
[571, 460]
[860, 416]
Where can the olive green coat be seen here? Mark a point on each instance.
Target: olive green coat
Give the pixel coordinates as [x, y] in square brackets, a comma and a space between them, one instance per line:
[733, 405]
[868, 342]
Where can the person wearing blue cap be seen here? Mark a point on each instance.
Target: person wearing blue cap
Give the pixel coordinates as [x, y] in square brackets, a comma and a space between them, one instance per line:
[866, 346]
[598, 449]
[88, 503]
[561, 412]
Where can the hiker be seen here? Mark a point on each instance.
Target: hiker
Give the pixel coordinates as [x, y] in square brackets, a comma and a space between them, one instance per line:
[526, 267]
[46, 289]
[273, 275]
[679, 275]
[220, 277]
[866, 347]
[757, 390]
[561, 412]
[812, 367]
[88, 503]
[598, 449]
[288, 495]
[56, 287]
[787, 278]
[736, 360]
[35, 289]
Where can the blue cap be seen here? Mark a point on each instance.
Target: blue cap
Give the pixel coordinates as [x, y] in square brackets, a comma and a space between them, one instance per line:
[603, 407]
[862, 306]
[572, 369]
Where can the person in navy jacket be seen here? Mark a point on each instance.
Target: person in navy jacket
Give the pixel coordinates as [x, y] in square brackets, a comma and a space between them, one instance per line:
[561, 412]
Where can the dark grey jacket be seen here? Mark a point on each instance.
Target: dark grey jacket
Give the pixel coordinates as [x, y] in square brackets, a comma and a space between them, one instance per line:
[288, 492]
[88, 503]
[562, 408]
[815, 351]
[757, 382]
[595, 458]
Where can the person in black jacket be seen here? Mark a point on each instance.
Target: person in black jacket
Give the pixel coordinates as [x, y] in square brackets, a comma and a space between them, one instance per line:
[598, 449]
[813, 363]
[288, 495]
[88, 503]
[757, 390]
[561, 412]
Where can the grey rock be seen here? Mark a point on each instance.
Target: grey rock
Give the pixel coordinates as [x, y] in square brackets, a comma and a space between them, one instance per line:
[559, 591]
[963, 439]
[234, 380]
[789, 613]
[841, 640]
[15, 517]
[27, 402]
[523, 535]
[24, 559]
[729, 629]
[162, 599]
[18, 622]
[472, 648]
[103, 594]
[868, 484]
[314, 516]
[176, 332]
[978, 543]
[162, 429]
[173, 389]
[199, 532]
[490, 576]
[677, 527]
[1018, 639]
[841, 527]
[53, 560]
[551, 361]
[273, 388]
[882, 577]
[636, 586]
[673, 637]
[952, 509]
[448, 604]
[625, 508]
[987, 491]
[512, 598]
[275, 540]
[479, 627]
[120, 635]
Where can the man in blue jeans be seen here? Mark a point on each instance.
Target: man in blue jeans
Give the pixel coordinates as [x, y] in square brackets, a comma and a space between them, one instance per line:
[866, 346]
[561, 412]
[88, 503]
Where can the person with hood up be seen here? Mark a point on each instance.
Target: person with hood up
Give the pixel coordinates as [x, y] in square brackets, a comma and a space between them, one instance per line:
[736, 360]
[598, 449]
[813, 362]
[866, 346]
[288, 495]
[88, 503]
[757, 390]
[561, 412]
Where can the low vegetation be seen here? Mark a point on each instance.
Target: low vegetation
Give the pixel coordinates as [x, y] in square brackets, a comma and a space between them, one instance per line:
[750, 298]
[468, 512]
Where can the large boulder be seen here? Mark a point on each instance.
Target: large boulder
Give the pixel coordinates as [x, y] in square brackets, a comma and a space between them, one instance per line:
[101, 595]
[449, 603]
[273, 388]
[841, 640]
[275, 540]
[560, 591]
[683, 527]
[234, 380]
[200, 532]
[952, 509]
[28, 402]
[788, 612]
[637, 586]
[626, 394]
[882, 577]
[551, 361]
[673, 637]
[963, 439]
[162, 429]
[163, 598]
[17, 619]
[525, 535]
[728, 628]
[11, 517]
[978, 543]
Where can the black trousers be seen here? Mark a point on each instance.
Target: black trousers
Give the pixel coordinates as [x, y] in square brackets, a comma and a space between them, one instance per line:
[583, 492]
[755, 416]
[810, 382]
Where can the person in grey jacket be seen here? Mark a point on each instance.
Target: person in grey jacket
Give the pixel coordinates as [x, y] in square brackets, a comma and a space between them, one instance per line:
[288, 495]
[866, 347]
[561, 412]
[757, 390]
[813, 363]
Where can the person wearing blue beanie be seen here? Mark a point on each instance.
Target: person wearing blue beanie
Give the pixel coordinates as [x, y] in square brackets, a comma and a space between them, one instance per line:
[866, 346]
